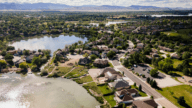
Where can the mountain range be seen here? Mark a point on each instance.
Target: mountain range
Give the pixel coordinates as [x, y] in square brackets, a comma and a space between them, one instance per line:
[52, 6]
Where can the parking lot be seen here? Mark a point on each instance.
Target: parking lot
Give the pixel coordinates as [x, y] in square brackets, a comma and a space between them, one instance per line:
[145, 70]
[162, 80]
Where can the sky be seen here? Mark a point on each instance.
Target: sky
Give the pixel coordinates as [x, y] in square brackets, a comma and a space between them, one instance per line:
[159, 3]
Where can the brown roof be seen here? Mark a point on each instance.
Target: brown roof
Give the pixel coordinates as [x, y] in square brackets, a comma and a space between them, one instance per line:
[127, 98]
[145, 104]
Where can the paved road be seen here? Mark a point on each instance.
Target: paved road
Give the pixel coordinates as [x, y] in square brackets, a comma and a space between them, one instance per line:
[145, 87]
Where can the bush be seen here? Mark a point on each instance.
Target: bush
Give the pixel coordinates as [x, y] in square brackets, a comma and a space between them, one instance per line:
[34, 69]
[148, 80]
[3, 63]
[3, 53]
[154, 72]
[140, 88]
[93, 57]
[55, 75]
[135, 84]
[181, 100]
[151, 97]
[23, 65]
[44, 73]
[143, 76]
[99, 99]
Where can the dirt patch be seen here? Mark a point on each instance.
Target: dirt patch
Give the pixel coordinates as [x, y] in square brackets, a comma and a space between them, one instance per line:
[69, 63]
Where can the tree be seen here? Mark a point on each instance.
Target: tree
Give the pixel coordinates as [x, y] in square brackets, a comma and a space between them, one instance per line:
[181, 100]
[186, 55]
[148, 80]
[3, 53]
[23, 65]
[119, 47]
[111, 54]
[93, 57]
[8, 56]
[140, 88]
[154, 72]
[186, 71]
[135, 84]
[85, 55]
[3, 63]
[44, 73]
[25, 52]
[154, 84]
[36, 61]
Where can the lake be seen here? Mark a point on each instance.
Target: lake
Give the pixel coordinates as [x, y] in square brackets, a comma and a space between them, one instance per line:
[170, 15]
[47, 42]
[31, 91]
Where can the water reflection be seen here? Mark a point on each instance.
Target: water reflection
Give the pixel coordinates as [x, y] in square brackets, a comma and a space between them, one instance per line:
[36, 92]
[47, 42]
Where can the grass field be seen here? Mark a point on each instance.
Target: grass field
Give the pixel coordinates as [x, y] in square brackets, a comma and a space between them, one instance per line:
[92, 86]
[172, 93]
[171, 33]
[104, 89]
[50, 69]
[79, 71]
[84, 79]
[63, 70]
[110, 100]
[176, 63]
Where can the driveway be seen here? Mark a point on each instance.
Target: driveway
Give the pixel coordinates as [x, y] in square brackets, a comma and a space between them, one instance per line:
[94, 73]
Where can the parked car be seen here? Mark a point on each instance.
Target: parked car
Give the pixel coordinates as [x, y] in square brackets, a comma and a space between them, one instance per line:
[135, 65]
[132, 68]
[144, 69]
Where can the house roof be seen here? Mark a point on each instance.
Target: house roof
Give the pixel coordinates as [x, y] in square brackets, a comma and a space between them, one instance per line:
[108, 69]
[132, 90]
[100, 61]
[127, 98]
[145, 104]
[84, 61]
[120, 83]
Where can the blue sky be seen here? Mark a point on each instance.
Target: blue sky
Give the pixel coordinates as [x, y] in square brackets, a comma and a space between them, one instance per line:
[159, 3]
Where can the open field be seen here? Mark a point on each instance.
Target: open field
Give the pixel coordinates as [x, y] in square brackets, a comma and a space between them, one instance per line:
[110, 100]
[171, 33]
[92, 86]
[83, 80]
[63, 70]
[172, 93]
[77, 72]
[105, 89]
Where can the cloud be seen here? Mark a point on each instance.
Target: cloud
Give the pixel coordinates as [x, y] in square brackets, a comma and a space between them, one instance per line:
[159, 3]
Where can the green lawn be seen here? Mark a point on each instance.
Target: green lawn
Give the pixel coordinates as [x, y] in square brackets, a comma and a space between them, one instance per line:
[110, 65]
[172, 93]
[141, 93]
[171, 33]
[50, 69]
[110, 100]
[63, 70]
[79, 71]
[92, 86]
[84, 79]
[176, 63]
[105, 89]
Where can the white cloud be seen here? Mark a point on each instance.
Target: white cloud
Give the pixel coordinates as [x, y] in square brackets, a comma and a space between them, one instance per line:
[159, 3]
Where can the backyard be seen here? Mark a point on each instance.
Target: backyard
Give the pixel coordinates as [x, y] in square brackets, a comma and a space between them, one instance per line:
[83, 80]
[104, 89]
[77, 72]
[173, 93]
[110, 100]
[63, 70]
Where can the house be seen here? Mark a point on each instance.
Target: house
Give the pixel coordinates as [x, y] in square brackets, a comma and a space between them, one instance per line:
[110, 74]
[145, 104]
[20, 52]
[175, 56]
[59, 53]
[119, 84]
[95, 52]
[86, 51]
[140, 46]
[38, 54]
[125, 99]
[78, 49]
[115, 50]
[29, 58]
[12, 52]
[134, 50]
[132, 92]
[100, 63]
[104, 54]
[154, 54]
[84, 61]
[154, 50]
[18, 62]
[149, 57]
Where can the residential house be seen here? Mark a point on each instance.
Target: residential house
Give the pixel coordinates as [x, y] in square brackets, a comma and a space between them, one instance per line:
[149, 57]
[131, 92]
[104, 54]
[175, 56]
[140, 46]
[12, 52]
[37, 54]
[86, 51]
[84, 61]
[95, 52]
[119, 84]
[154, 54]
[145, 104]
[100, 63]
[125, 99]
[78, 49]
[115, 50]
[29, 58]
[110, 74]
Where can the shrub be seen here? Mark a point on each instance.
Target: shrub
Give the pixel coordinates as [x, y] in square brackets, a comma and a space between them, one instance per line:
[34, 68]
[140, 88]
[154, 72]
[148, 80]
[44, 73]
[135, 84]
[151, 97]
[23, 65]
[99, 99]
[143, 76]
[3, 63]
[181, 100]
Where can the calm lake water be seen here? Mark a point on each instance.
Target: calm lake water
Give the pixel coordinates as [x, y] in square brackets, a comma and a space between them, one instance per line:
[32, 91]
[47, 42]
[170, 15]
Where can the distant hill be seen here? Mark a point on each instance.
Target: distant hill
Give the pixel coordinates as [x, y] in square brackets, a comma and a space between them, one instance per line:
[52, 6]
